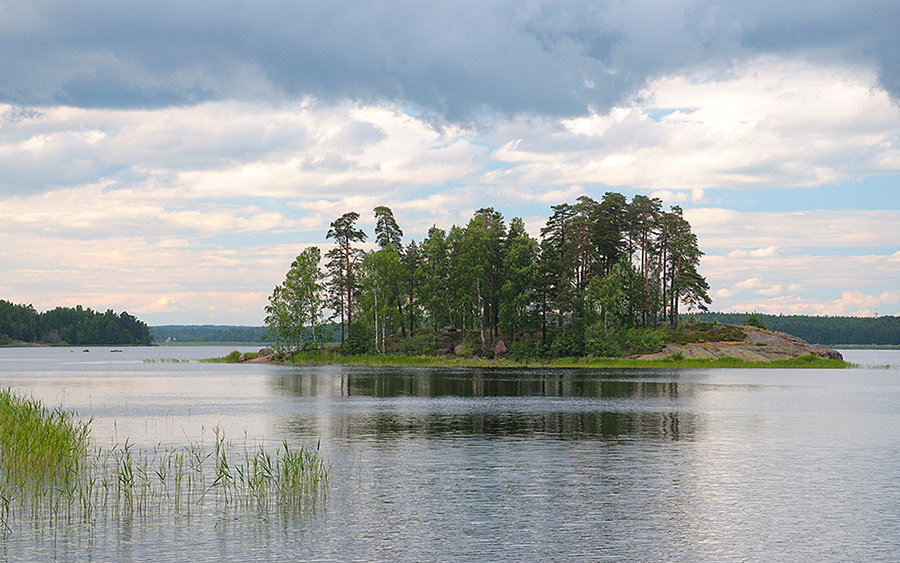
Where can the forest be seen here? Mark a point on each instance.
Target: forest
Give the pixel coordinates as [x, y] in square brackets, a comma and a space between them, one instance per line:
[65, 325]
[829, 331]
[605, 278]
[206, 333]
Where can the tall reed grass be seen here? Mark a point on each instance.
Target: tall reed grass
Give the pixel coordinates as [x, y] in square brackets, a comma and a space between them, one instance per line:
[50, 470]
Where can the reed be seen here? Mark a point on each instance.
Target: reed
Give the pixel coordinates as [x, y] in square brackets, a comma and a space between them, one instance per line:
[51, 471]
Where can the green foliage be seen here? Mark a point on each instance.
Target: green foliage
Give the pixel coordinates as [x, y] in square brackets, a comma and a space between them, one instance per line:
[360, 340]
[754, 320]
[707, 332]
[381, 277]
[626, 265]
[49, 471]
[527, 349]
[568, 343]
[294, 312]
[635, 340]
[207, 333]
[40, 450]
[421, 344]
[829, 331]
[76, 326]
[342, 263]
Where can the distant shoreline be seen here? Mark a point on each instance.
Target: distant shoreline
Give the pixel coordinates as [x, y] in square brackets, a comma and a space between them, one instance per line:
[807, 361]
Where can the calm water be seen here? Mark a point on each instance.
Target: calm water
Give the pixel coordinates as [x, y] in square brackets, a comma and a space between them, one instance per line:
[501, 465]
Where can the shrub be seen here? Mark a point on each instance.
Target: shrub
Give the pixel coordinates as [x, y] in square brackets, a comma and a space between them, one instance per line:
[422, 344]
[568, 344]
[644, 341]
[755, 320]
[359, 341]
[526, 349]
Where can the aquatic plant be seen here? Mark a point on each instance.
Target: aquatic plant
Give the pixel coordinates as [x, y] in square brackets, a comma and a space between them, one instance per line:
[49, 469]
[41, 451]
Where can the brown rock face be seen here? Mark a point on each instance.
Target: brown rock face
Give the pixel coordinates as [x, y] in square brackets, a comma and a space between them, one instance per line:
[758, 345]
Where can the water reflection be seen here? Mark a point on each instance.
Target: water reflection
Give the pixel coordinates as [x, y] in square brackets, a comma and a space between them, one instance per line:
[386, 382]
[416, 403]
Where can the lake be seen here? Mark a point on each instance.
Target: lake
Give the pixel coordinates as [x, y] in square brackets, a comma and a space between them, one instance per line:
[437, 464]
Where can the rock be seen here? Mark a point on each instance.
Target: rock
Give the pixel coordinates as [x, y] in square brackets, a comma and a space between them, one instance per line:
[459, 350]
[265, 352]
[758, 345]
[500, 348]
[242, 358]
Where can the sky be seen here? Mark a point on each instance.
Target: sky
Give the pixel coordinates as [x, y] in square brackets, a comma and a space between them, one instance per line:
[170, 159]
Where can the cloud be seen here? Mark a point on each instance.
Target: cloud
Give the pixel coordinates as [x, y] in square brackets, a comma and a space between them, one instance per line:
[757, 253]
[794, 282]
[459, 58]
[850, 303]
[773, 123]
[231, 149]
[770, 232]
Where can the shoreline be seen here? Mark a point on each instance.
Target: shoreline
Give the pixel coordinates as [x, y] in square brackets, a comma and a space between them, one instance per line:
[804, 362]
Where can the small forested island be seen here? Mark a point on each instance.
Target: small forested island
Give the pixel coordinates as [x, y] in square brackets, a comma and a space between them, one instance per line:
[21, 324]
[607, 279]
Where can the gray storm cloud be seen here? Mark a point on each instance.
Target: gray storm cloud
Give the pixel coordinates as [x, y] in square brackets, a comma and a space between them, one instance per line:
[456, 59]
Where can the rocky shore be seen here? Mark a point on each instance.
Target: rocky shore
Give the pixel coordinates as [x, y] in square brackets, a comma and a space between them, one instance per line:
[757, 345]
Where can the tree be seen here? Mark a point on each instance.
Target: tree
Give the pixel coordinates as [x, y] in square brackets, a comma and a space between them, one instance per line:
[295, 307]
[342, 262]
[412, 282]
[388, 235]
[434, 273]
[381, 279]
[387, 232]
[479, 263]
[609, 225]
[687, 285]
[521, 278]
[643, 222]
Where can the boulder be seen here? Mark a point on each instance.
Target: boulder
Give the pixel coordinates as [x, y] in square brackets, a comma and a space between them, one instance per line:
[500, 348]
[265, 352]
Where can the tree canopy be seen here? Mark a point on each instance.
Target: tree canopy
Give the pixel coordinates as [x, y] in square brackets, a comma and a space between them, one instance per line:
[601, 272]
[65, 325]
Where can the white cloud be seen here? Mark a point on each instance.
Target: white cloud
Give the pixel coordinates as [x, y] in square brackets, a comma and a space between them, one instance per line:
[776, 122]
[769, 232]
[159, 210]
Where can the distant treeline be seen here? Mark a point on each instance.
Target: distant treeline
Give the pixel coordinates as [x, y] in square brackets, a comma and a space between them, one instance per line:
[65, 325]
[207, 333]
[218, 333]
[829, 331]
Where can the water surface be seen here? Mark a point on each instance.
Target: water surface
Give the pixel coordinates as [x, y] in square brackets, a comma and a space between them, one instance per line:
[436, 464]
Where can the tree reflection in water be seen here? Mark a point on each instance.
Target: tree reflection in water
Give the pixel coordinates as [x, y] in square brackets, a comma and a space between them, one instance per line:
[409, 402]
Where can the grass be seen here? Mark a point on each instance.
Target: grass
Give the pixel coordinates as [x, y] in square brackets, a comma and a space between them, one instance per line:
[50, 470]
[42, 453]
[328, 357]
[231, 358]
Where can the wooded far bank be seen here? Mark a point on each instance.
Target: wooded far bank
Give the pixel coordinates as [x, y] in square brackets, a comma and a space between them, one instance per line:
[828, 331]
[65, 325]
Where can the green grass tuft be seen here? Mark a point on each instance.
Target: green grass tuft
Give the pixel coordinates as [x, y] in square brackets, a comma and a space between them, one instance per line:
[49, 469]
